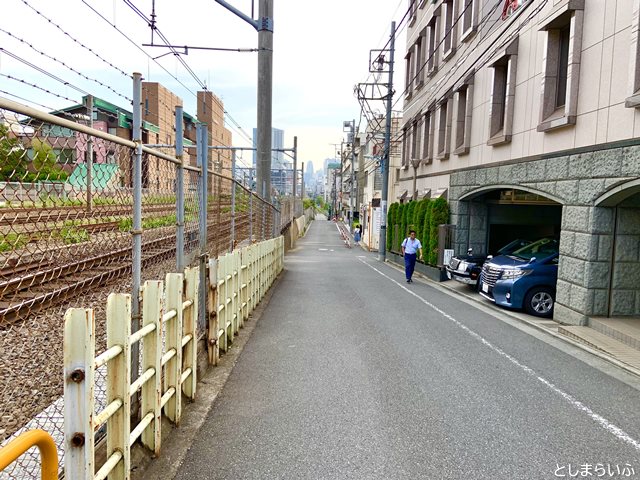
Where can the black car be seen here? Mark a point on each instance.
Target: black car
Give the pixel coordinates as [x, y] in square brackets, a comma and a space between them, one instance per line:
[467, 268]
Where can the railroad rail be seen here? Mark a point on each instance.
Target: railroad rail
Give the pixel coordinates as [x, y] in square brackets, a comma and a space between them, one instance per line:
[50, 285]
[22, 215]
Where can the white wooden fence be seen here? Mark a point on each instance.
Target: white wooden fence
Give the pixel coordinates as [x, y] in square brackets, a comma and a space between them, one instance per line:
[238, 281]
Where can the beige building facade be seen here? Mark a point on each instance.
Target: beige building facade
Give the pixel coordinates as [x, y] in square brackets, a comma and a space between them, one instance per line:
[526, 113]
[369, 175]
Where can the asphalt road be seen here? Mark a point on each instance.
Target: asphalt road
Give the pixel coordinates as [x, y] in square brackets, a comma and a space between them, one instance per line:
[353, 374]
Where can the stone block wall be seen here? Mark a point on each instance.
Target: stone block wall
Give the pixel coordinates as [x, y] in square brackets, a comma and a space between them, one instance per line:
[587, 246]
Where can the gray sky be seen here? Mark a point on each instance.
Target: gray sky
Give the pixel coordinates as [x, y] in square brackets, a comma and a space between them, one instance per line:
[321, 50]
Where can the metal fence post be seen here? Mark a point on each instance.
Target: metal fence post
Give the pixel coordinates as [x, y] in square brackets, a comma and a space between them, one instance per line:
[250, 217]
[264, 219]
[233, 198]
[89, 160]
[179, 193]
[136, 232]
[203, 162]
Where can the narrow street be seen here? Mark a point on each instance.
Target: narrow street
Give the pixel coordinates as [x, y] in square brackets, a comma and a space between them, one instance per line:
[352, 373]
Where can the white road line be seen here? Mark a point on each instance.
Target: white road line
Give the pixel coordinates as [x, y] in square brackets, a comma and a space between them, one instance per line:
[600, 420]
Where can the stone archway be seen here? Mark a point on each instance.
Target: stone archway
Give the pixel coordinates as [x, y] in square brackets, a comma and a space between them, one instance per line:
[490, 216]
[623, 292]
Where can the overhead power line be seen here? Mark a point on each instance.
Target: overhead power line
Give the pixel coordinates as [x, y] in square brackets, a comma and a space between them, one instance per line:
[76, 40]
[77, 72]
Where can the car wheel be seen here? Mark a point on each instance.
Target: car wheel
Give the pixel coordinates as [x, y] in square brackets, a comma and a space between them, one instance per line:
[539, 302]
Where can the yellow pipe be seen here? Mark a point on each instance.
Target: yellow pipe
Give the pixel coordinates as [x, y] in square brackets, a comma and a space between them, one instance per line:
[33, 438]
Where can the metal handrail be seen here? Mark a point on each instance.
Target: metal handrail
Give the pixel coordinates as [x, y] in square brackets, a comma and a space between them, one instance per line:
[32, 438]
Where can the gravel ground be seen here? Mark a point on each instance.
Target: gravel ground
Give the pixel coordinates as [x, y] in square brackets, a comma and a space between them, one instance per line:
[31, 352]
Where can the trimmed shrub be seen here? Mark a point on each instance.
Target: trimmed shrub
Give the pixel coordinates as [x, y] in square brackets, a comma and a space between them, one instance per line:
[418, 218]
[391, 221]
[439, 215]
[399, 222]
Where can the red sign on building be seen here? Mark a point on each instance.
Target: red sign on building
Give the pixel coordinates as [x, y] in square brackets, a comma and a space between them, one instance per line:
[510, 6]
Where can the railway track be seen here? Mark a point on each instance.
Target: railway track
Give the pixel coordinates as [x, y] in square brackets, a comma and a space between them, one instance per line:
[33, 281]
[26, 215]
[52, 284]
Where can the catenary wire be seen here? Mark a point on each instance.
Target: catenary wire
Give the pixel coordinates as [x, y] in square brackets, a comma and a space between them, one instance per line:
[75, 40]
[65, 65]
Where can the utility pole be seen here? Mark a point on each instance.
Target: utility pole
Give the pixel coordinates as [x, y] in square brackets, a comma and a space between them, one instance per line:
[265, 90]
[302, 185]
[264, 27]
[295, 173]
[382, 250]
[369, 91]
[353, 161]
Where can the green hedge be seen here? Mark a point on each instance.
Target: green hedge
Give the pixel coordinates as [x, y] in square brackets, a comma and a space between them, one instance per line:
[439, 214]
[418, 218]
[391, 217]
[423, 216]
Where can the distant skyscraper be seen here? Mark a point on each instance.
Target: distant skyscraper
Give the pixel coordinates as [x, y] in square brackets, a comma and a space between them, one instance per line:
[308, 175]
[277, 142]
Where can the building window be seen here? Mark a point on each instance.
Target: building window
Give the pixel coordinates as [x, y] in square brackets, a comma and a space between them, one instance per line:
[433, 38]
[469, 19]
[464, 100]
[408, 79]
[502, 95]
[560, 77]
[415, 141]
[405, 146]
[444, 129]
[66, 156]
[427, 137]
[634, 71]
[420, 58]
[449, 30]
[413, 8]
[563, 66]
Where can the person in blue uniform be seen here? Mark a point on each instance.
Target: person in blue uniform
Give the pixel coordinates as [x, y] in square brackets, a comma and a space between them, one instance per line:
[411, 247]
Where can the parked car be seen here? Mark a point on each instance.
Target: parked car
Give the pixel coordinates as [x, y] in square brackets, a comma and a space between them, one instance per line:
[467, 268]
[524, 279]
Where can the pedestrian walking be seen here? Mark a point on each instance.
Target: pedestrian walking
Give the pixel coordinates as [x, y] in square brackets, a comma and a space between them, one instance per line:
[356, 235]
[411, 247]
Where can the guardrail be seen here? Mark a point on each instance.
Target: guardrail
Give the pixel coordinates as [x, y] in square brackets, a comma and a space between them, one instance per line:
[177, 366]
[33, 438]
[237, 282]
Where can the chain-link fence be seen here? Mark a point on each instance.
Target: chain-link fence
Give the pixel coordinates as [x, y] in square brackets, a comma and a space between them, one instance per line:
[74, 203]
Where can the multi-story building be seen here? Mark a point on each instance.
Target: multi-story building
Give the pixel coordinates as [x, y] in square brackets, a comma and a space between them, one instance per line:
[369, 176]
[525, 112]
[158, 128]
[211, 112]
[281, 169]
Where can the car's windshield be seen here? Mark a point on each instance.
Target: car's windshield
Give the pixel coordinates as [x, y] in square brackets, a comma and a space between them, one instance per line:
[540, 248]
[513, 246]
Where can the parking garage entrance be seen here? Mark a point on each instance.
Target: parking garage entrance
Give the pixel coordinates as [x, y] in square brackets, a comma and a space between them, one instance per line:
[511, 214]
